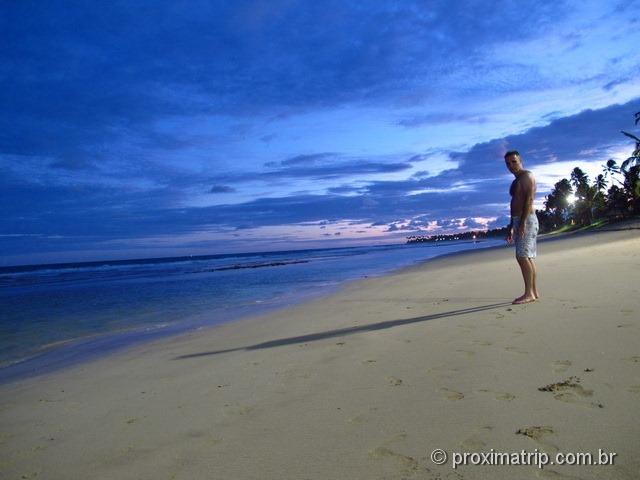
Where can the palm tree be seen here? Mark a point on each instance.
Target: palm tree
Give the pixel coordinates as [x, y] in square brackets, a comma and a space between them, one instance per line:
[579, 179]
[557, 202]
[631, 168]
[617, 202]
[634, 159]
[600, 183]
[611, 168]
[583, 207]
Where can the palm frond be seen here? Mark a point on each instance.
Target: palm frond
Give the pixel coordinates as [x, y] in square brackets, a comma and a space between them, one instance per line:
[629, 163]
[631, 135]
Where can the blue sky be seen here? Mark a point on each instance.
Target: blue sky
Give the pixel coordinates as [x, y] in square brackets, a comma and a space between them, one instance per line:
[140, 129]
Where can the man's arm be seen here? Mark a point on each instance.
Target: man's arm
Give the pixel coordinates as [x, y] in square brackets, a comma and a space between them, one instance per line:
[526, 186]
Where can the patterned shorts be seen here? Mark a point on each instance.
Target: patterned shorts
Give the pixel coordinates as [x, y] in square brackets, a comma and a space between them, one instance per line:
[526, 245]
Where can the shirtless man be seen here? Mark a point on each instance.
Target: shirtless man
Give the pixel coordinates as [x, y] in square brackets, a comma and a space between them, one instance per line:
[523, 228]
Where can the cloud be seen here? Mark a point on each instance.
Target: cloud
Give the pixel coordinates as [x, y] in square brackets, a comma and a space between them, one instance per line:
[114, 212]
[619, 81]
[83, 75]
[441, 117]
[344, 189]
[306, 159]
[268, 138]
[472, 223]
[592, 132]
[335, 170]
[222, 189]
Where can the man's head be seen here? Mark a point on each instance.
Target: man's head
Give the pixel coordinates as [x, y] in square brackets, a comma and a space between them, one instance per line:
[513, 161]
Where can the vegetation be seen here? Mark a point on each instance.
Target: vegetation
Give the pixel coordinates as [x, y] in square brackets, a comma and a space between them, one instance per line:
[475, 235]
[576, 202]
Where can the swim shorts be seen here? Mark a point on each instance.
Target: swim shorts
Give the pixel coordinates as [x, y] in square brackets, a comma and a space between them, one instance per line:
[526, 246]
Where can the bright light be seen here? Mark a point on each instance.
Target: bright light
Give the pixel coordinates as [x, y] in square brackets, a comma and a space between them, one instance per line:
[571, 199]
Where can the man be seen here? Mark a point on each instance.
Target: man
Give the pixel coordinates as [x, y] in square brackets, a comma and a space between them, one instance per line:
[523, 228]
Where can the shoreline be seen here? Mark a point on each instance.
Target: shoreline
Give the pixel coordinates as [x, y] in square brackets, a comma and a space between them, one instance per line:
[364, 383]
[79, 350]
[75, 351]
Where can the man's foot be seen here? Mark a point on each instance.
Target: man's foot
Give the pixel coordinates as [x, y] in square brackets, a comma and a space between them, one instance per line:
[523, 299]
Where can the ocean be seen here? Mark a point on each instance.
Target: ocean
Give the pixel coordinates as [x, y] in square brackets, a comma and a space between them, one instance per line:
[52, 316]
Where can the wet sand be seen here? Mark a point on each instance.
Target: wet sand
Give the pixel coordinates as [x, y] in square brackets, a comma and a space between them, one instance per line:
[366, 383]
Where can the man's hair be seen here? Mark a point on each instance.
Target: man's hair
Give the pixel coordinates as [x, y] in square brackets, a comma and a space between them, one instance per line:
[512, 152]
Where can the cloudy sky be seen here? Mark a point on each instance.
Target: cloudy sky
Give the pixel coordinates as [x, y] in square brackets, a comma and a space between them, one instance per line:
[139, 129]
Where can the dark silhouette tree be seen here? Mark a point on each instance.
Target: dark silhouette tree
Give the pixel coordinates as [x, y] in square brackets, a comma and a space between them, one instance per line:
[585, 196]
[630, 168]
[610, 169]
[557, 202]
[599, 200]
[617, 202]
[579, 179]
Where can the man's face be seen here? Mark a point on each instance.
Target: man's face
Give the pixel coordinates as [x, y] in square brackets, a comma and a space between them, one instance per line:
[514, 164]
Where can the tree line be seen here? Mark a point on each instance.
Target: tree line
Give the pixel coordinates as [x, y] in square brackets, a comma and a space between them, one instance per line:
[578, 201]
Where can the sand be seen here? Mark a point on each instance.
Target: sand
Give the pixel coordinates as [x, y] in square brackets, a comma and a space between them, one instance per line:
[364, 384]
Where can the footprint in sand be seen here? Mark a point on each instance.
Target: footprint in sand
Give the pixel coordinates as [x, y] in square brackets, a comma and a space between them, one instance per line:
[473, 444]
[634, 389]
[561, 365]
[538, 433]
[466, 327]
[407, 465]
[394, 381]
[498, 395]
[238, 409]
[477, 440]
[452, 394]
[357, 420]
[442, 373]
[634, 359]
[624, 325]
[468, 353]
[570, 391]
[515, 350]
[195, 433]
[484, 343]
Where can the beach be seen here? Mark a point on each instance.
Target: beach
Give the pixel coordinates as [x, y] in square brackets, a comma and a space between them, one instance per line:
[365, 383]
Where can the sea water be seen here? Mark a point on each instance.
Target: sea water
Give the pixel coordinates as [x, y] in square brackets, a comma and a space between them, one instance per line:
[55, 315]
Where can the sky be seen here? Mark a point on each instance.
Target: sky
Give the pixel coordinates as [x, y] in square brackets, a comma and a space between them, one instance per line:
[144, 129]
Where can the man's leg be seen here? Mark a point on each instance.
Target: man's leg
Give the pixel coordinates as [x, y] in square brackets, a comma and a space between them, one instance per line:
[527, 270]
[534, 287]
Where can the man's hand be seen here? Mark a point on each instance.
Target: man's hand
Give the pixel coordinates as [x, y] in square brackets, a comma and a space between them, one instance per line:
[509, 237]
[521, 229]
